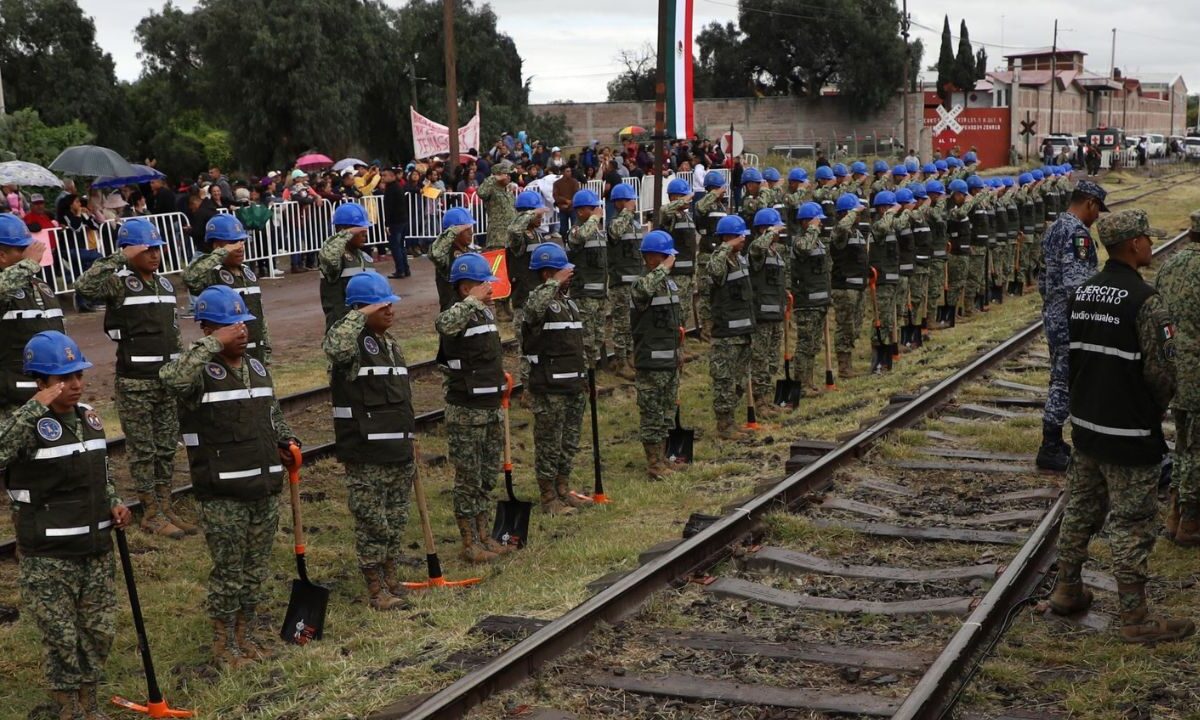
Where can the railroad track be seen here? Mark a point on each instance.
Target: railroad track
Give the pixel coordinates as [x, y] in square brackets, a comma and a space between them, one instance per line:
[928, 625]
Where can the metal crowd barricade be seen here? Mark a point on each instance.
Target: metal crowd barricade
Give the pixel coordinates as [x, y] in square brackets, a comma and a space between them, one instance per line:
[74, 251]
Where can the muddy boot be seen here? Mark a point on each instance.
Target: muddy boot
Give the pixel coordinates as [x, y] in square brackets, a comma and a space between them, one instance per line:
[727, 428]
[844, 369]
[166, 506]
[766, 410]
[551, 504]
[153, 521]
[377, 593]
[1139, 627]
[1069, 596]
[1188, 533]
[392, 580]
[89, 704]
[562, 488]
[622, 368]
[472, 551]
[66, 704]
[1172, 521]
[225, 651]
[484, 533]
[244, 637]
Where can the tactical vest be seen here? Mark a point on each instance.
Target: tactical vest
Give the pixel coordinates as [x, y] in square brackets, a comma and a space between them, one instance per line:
[980, 234]
[523, 280]
[1039, 210]
[229, 436]
[708, 239]
[937, 224]
[770, 287]
[373, 419]
[885, 255]
[828, 203]
[591, 268]
[811, 276]
[59, 490]
[1026, 215]
[656, 329]
[1114, 417]
[625, 263]
[992, 229]
[1000, 216]
[906, 246]
[1052, 205]
[333, 294]
[1014, 219]
[732, 302]
[850, 267]
[246, 285]
[143, 325]
[27, 312]
[473, 363]
[683, 232]
[922, 239]
[553, 345]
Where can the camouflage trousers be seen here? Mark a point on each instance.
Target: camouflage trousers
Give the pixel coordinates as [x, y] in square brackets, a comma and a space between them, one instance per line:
[918, 292]
[935, 288]
[1185, 474]
[1127, 496]
[1001, 268]
[765, 346]
[958, 293]
[619, 302]
[902, 300]
[557, 422]
[1031, 256]
[685, 283]
[476, 444]
[522, 361]
[976, 274]
[729, 368]
[592, 312]
[657, 391]
[151, 424]
[239, 534]
[1058, 397]
[886, 307]
[810, 339]
[703, 288]
[848, 309]
[73, 602]
[378, 496]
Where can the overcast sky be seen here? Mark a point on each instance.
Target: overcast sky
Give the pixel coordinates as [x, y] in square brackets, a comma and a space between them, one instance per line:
[570, 46]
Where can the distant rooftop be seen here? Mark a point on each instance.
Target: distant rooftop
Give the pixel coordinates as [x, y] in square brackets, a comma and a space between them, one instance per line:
[1044, 51]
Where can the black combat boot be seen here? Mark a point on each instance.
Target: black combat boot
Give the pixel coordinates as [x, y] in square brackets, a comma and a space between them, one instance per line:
[1054, 454]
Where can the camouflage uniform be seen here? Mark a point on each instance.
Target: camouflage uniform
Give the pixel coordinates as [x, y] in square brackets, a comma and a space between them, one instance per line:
[197, 276]
[753, 203]
[977, 267]
[520, 241]
[885, 295]
[557, 417]
[849, 305]
[729, 361]
[20, 284]
[901, 299]
[498, 203]
[958, 267]
[809, 321]
[704, 206]
[377, 493]
[442, 254]
[668, 216]
[657, 390]
[768, 334]
[936, 286]
[337, 261]
[592, 310]
[618, 293]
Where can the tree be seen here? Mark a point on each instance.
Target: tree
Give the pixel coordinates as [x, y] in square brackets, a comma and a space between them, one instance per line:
[964, 63]
[916, 53]
[1193, 109]
[26, 137]
[981, 64]
[946, 67]
[720, 71]
[637, 80]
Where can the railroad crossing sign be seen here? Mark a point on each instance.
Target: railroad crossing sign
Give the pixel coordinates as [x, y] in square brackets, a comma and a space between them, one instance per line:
[948, 119]
[731, 143]
[1027, 126]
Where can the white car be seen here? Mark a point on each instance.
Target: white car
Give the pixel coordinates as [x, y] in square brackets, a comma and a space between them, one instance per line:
[1191, 148]
[1156, 145]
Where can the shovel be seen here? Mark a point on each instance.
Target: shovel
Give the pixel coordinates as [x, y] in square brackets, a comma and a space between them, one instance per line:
[156, 706]
[598, 495]
[830, 384]
[512, 515]
[945, 316]
[881, 356]
[1015, 285]
[751, 420]
[679, 440]
[305, 617]
[788, 391]
[431, 558]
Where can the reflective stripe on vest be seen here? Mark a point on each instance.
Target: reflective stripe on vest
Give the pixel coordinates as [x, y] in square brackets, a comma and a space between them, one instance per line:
[71, 531]
[154, 358]
[1106, 350]
[254, 472]
[1106, 430]
[568, 325]
[148, 300]
[480, 330]
[64, 450]
[352, 271]
[243, 394]
[744, 322]
[32, 314]
[382, 370]
[736, 275]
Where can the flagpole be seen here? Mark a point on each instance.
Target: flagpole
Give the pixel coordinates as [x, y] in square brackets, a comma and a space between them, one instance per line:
[660, 103]
[451, 85]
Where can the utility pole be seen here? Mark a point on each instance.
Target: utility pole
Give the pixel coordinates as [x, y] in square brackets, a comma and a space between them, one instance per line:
[451, 81]
[1053, 74]
[1112, 71]
[660, 103]
[1, 96]
[412, 85]
[904, 89]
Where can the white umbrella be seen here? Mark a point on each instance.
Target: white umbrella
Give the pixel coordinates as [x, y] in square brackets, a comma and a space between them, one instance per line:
[344, 163]
[19, 172]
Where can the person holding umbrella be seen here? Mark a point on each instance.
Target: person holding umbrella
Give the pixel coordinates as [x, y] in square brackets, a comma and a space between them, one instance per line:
[27, 306]
[56, 467]
[657, 319]
[236, 437]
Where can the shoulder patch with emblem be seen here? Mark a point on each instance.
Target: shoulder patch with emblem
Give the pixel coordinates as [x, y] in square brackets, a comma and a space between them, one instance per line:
[249, 274]
[93, 420]
[166, 284]
[554, 306]
[19, 293]
[487, 312]
[1082, 244]
[226, 276]
[133, 283]
[258, 367]
[215, 371]
[49, 429]
[370, 345]
[46, 289]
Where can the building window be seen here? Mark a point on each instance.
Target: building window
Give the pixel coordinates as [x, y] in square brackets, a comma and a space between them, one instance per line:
[1000, 97]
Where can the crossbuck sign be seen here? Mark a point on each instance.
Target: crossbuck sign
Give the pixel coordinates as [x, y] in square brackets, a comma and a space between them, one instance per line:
[948, 119]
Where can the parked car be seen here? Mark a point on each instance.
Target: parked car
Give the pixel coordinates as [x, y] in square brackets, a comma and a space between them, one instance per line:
[1156, 145]
[795, 152]
[1191, 148]
[1061, 142]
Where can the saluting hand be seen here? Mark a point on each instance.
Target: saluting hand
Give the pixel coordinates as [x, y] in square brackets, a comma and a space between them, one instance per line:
[230, 334]
[562, 277]
[132, 251]
[49, 394]
[669, 262]
[482, 292]
[34, 251]
[373, 308]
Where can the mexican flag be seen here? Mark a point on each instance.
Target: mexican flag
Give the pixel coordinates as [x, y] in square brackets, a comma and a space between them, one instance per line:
[680, 120]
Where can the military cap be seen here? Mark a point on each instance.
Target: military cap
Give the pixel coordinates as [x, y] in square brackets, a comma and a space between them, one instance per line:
[1126, 225]
[1195, 216]
[1087, 187]
[502, 168]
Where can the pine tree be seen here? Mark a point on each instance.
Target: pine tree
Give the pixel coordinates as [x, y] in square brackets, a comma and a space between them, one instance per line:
[964, 63]
[981, 64]
[945, 63]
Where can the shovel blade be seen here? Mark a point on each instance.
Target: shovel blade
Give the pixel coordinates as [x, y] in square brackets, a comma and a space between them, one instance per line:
[680, 442]
[788, 393]
[305, 617]
[511, 526]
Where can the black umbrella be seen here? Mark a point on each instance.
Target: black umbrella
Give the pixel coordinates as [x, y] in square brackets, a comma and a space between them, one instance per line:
[92, 161]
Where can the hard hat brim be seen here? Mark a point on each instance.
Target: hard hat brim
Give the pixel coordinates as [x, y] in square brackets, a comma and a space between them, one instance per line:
[25, 242]
[68, 369]
[230, 320]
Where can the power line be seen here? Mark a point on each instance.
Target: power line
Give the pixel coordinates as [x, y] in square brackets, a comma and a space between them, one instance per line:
[937, 31]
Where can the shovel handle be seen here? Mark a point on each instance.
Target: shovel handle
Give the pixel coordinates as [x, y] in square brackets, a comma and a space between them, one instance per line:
[294, 490]
[787, 320]
[504, 403]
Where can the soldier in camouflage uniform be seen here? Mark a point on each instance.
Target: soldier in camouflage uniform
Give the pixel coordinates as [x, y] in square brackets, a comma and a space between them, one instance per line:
[923, 249]
[236, 437]
[1038, 195]
[709, 211]
[905, 245]
[881, 180]
[523, 235]
[342, 257]
[1122, 379]
[732, 302]
[753, 198]
[981, 239]
[858, 182]
[935, 214]
[498, 204]
[676, 219]
[796, 194]
[657, 349]
[849, 269]
[374, 427]
[1178, 284]
[588, 252]
[57, 476]
[473, 363]
[141, 318]
[1071, 259]
[811, 288]
[1026, 220]
[826, 195]
[457, 237]
[27, 307]
[624, 267]
[959, 208]
[552, 339]
[769, 279]
[885, 268]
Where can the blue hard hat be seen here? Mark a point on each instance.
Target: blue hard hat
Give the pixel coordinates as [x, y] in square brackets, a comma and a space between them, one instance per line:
[970, 158]
[679, 186]
[587, 198]
[731, 225]
[770, 174]
[529, 200]
[900, 171]
[751, 175]
[221, 305]
[813, 211]
[797, 175]
[880, 166]
[885, 197]
[660, 241]
[904, 196]
[139, 231]
[911, 166]
[714, 179]
[848, 202]
[839, 170]
[1007, 180]
[935, 186]
[959, 186]
[1024, 179]
[929, 168]
[940, 165]
[953, 162]
[624, 191]
[368, 288]
[824, 173]
[767, 216]
[456, 217]
[52, 353]
[918, 191]
[225, 228]
[1047, 170]
[1038, 175]
[858, 167]
[351, 215]
[13, 231]
[548, 255]
[974, 182]
[471, 266]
